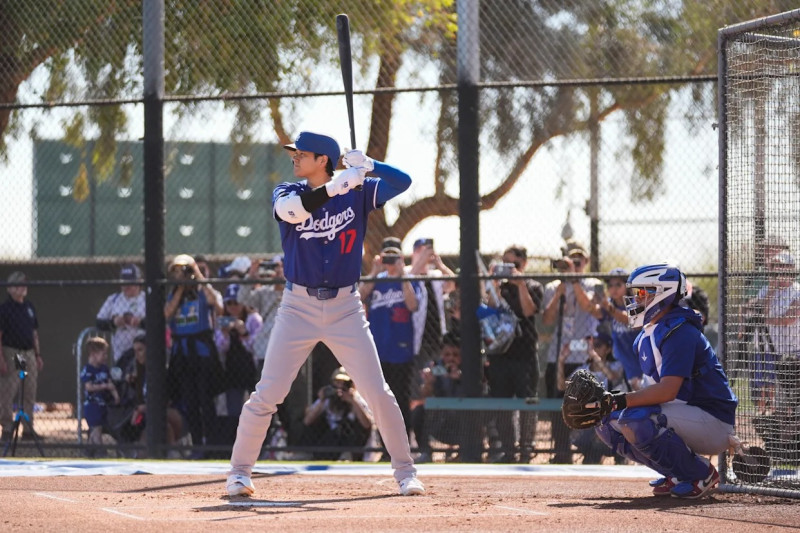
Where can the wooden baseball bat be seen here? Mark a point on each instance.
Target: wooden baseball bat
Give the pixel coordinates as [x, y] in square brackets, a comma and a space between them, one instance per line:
[345, 59]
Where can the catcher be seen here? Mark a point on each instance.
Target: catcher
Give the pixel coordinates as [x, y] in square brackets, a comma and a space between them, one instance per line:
[687, 407]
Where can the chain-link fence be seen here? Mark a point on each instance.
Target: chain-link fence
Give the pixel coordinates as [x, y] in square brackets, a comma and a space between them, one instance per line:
[596, 123]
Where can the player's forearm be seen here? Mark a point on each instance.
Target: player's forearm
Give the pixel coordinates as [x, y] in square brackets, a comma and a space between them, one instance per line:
[393, 181]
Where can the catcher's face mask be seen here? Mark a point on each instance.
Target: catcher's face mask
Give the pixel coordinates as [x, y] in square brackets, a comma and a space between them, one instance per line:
[652, 289]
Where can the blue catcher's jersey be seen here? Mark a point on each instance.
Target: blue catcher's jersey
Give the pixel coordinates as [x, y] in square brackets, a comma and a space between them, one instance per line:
[325, 250]
[676, 346]
[390, 321]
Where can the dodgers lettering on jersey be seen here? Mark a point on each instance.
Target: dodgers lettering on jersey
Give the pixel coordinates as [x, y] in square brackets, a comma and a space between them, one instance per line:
[326, 249]
[676, 346]
[390, 321]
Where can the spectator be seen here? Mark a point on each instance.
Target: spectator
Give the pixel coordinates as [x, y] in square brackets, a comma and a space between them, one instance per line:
[123, 312]
[442, 380]
[339, 417]
[429, 318]
[19, 334]
[515, 373]
[265, 299]
[570, 306]
[99, 390]
[135, 374]
[236, 330]
[202, 265]
[776, 309]
[389, 308]
[452, 308]
[611, 374]
[194, 367]
[622, 335]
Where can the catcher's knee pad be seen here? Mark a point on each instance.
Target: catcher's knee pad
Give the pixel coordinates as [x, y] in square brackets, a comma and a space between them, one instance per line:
[658, 446]
[638, 424]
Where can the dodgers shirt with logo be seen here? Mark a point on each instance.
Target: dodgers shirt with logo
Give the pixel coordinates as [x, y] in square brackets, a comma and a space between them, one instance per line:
[390, 320]
[96, 375]
[325, 250]
[676, 346]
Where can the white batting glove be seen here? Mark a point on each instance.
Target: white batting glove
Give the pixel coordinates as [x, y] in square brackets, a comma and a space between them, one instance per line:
[356, 158]
[345, 182]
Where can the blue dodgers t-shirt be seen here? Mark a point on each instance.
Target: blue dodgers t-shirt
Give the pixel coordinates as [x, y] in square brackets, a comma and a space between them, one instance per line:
[390, 320]
[676, 346]
[96, 375]
[325, 250]
[191, 318]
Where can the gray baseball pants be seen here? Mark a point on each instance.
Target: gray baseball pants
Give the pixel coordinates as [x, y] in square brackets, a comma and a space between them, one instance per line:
[341, 324]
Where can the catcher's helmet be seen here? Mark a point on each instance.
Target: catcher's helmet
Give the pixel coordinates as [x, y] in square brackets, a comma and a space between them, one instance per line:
[653, 288]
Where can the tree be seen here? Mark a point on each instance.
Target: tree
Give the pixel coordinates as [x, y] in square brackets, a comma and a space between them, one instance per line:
[228, 47]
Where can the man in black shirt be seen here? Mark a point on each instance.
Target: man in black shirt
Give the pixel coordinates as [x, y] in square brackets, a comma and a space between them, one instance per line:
[19, 336]
[515, 373]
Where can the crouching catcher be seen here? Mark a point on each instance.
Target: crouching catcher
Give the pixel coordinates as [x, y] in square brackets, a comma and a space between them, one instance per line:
[686, 411]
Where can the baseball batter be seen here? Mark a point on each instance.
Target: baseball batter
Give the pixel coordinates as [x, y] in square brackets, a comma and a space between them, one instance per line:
[323, 221]
[685, 411]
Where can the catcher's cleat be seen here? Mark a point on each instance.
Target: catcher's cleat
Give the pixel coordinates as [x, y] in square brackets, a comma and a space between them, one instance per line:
[692, 490]
[411, 486]
[663, 486]
[240, 486]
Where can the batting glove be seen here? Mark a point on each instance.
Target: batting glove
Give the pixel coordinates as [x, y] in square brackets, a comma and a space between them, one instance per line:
[356, 158]
[345, 182]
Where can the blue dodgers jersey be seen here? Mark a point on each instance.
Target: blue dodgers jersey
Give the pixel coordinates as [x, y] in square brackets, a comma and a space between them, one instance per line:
[390, 321]
[325, 250]
[676, 346]
[96, 375]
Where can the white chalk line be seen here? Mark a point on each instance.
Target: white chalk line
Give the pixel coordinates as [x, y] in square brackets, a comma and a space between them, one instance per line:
[59, 498]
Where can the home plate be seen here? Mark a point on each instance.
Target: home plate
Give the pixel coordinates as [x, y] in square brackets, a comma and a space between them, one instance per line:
[264, 504]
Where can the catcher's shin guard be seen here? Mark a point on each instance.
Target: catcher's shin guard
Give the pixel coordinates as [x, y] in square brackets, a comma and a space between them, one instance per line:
[655, 445]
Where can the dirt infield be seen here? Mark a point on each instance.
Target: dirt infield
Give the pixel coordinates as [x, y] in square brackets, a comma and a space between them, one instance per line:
[169, 503]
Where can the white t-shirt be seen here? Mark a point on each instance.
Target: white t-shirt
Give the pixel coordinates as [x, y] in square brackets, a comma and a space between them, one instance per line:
[786, 339]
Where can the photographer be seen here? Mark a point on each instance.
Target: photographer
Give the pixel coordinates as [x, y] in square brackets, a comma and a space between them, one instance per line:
[570, 306]
[194, 369]
[515, 372]
[339, 417]
[236, 329]
[441, 379]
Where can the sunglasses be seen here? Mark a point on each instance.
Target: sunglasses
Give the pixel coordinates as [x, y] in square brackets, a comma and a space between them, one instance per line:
[642, 292]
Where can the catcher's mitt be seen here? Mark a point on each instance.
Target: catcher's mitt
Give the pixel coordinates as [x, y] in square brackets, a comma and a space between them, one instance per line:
[586, 402]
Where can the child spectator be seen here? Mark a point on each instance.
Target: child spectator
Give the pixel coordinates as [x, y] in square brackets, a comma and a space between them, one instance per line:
[100, 390]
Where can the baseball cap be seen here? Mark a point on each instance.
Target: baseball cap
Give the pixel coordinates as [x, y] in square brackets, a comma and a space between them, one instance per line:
[129, 272]
[239, 266]
[574, 247]
[783, 259]
[231, 291]
[422, 242]
[603, 337]
[340, 374]
[16, 277]
[318, 144]
[618, 273]
[181, 260]
[391, 250]
[391, 242]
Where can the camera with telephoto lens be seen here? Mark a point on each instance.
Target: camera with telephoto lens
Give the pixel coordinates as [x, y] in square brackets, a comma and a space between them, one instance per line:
[20, 363]
[559, 264]
[267, 268]
[329, 391]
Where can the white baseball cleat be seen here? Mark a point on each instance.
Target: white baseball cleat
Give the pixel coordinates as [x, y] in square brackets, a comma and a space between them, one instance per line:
[240, 486]
[411, 486]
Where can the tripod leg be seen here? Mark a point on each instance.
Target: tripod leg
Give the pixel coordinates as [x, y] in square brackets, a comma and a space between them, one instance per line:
[12, 442]
[29, 427]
